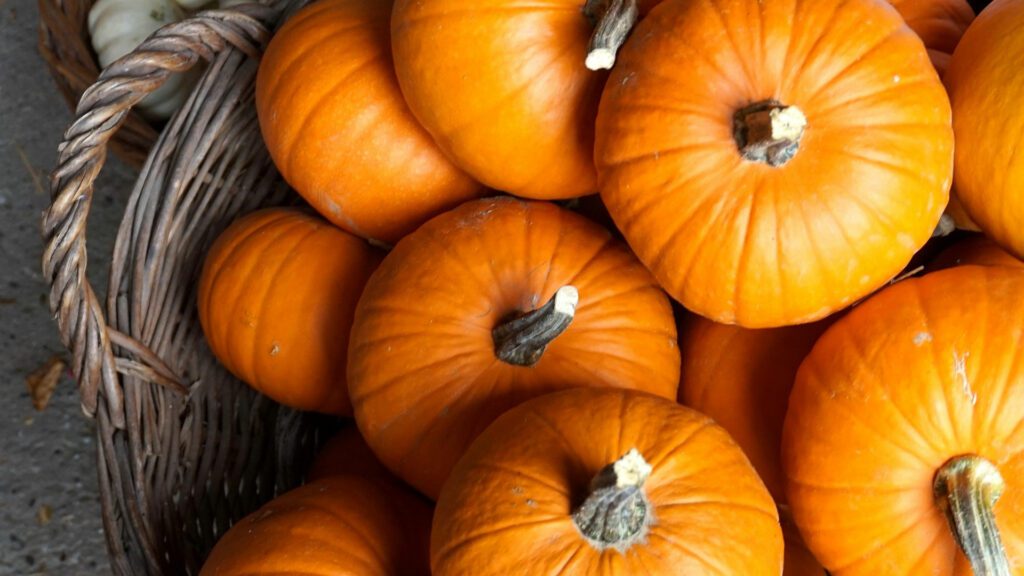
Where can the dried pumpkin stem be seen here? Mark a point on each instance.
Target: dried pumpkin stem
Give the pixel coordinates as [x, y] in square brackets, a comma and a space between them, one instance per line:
[616, 513]
[522, 341]
[613, 21]
[966, 489]
[769, 132]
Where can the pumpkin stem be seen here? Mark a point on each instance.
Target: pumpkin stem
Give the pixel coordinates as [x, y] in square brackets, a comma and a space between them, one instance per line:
[522, 341]
[769, 132]
[616, 513]
[613, 21]
[966, 489]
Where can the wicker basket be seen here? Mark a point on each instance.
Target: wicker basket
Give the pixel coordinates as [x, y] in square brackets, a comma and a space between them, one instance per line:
[184, 449]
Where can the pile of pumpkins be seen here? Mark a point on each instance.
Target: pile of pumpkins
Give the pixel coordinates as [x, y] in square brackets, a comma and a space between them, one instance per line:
[525, 400]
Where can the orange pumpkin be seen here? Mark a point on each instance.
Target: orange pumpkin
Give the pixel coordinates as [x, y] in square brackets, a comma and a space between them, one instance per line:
[603, 482]
[773, 162]
[742, 379]
[975, 249]
[483, 307]
[939, 23]
[346, 453]
[276, 298]
[985, 89]
[335, 123]
[905, 421]
[501, 86]
[340, 525]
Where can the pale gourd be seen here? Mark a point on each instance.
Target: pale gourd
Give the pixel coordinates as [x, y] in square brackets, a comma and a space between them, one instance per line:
[118, 26]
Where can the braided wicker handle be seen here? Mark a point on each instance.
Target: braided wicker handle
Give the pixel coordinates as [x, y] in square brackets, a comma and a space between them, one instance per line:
[102, 110]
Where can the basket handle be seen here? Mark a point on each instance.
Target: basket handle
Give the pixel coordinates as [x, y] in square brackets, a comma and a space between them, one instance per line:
[102, 109]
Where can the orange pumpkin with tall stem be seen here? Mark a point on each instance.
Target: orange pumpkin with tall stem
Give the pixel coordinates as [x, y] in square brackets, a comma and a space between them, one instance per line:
[604, 482]
[486, 306]
[903, 446]
[773, 162]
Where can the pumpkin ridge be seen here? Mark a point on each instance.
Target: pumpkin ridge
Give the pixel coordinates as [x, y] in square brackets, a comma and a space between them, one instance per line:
[231, 351]
[284, 261]
[502, 9]
[737, 54]
[922, 439]
[683, 443]
[298, 57]
[693, 551]
[219, 267]
[876, 546]
[312, 113]
[469, 537]
[879, 43]
[435, 388]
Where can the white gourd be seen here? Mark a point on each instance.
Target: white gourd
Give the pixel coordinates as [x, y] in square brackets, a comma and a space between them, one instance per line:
[118, 26]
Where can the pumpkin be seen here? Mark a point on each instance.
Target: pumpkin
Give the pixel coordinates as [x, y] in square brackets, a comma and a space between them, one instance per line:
[904, 439]
[346, 453]
[483, 307]
[939, 23]
[603, 481]
[742, 378]
[340, 525]
[975, 249]
[277, 294]
[502, 88]
[773, 163]
[985, 86]
[337, 128]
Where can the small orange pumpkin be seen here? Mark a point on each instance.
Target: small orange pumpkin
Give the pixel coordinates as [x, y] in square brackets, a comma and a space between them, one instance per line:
[276, 298]
[604, 482]
[904, 439]
[340, 525]
[939, 23]
[772, 162]
[483, 307]
[335, 123]
[985, 89]
[742, 379]
[975, 249]
[346, 453]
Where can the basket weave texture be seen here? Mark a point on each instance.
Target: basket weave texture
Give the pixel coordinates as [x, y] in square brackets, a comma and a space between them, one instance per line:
[65, 45]
[184, 449]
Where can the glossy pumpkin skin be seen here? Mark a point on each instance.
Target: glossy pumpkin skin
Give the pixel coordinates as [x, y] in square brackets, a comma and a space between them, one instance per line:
[922, 372]
[939, 23]
[336, 125]
[423, 375]
[277, 295]
[742, 378]
[346, 453]
[743, 242]
[976, 249]
[344, 525]
[986, 88]
[501, 86]
[509, 499]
